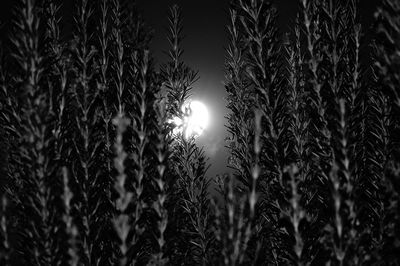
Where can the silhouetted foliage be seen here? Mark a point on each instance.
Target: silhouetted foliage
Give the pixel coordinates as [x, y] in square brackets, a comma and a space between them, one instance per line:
[94, 170]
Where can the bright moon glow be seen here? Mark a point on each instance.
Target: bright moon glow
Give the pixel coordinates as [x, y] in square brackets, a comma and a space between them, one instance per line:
[195, 120]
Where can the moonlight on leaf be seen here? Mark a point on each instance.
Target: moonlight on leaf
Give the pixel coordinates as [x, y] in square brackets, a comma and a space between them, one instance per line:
[195, 121]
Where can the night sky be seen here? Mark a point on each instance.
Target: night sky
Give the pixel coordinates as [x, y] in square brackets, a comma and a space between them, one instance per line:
[205, 38]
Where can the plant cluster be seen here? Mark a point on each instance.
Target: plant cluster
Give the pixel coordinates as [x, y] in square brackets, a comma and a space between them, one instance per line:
[325, 162]
[93, 171]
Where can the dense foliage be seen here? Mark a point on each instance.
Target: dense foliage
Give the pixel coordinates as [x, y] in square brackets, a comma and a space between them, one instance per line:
[92, 171]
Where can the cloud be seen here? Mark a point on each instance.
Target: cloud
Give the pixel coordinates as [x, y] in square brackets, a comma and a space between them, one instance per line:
[212, 145]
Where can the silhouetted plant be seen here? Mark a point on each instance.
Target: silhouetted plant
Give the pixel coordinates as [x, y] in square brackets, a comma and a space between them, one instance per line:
[320, 149]
[261, 84]
[4, 235]
[70, 229]
[244, 145]
[191, 167]
[176, 76]
[161, 150]
[386, 65]
[189, 228]
[231, 224]
[106, 110]
[294, 215]
[85, 168]
[239, 100]
[56, 79]
[121, 221]
[35, 160]
[5, 109]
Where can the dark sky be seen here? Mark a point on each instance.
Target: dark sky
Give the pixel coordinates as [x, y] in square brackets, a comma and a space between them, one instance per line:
[205, 33]
[205, 37]
[205, 30]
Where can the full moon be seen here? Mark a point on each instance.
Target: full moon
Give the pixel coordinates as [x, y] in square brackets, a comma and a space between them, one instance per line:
[195, 120]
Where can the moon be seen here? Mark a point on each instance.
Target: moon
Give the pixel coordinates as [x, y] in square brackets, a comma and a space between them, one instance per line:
[194, 122]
